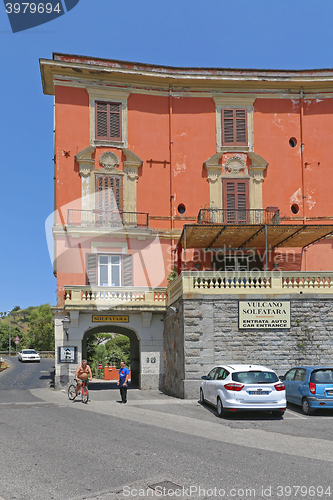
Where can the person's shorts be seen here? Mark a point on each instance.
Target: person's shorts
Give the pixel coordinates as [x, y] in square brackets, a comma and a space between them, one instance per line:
[86, 381]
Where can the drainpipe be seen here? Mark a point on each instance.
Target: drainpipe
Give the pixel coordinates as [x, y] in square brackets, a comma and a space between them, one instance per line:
[171, 172]
[170, 150]
[302, 153]
[54, 263]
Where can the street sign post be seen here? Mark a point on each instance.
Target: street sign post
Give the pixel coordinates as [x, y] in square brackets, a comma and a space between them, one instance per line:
[17, 341]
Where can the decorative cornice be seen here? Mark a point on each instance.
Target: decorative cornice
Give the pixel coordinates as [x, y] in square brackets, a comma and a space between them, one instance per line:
[213, 161]
[132, 164]
[257, 168]
[86, 163]
[234, 101]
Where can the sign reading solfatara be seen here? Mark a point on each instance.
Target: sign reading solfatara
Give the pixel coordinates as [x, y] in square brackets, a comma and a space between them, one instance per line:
[255, 314]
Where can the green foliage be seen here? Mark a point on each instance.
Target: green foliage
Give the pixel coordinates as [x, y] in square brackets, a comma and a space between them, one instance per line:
[4, 336]
[173, 275]
[40, 334]
[34, 327]
[108, 350]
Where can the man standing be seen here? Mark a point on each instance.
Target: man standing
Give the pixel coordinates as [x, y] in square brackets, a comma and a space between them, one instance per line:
[83, 372]
[122, 382]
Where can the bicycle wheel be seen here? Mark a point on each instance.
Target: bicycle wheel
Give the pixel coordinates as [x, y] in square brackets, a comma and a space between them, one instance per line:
[71, 391]
[85, 394]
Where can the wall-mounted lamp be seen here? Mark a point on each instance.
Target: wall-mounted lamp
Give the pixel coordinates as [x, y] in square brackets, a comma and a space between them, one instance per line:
[153, 360]
[65, 324]
[147, 360]
[173, 310]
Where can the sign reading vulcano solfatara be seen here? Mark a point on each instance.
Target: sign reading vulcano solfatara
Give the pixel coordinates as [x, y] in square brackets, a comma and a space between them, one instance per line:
[263, 314]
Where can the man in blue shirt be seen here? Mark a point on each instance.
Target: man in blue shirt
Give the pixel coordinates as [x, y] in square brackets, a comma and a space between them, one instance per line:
[122, 382]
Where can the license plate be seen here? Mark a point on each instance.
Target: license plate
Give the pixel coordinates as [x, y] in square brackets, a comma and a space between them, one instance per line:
[258, 393]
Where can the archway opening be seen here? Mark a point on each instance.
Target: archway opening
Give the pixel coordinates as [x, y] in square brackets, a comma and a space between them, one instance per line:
[134, 347]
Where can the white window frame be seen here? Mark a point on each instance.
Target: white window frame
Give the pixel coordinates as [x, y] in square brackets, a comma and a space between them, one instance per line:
[110, 266]
[232, 102]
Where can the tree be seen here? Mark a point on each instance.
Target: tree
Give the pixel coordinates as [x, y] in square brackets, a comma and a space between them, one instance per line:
[40, 333]
[4, 336]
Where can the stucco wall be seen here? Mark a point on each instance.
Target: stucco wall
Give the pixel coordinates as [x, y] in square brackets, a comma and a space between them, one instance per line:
[211, 336]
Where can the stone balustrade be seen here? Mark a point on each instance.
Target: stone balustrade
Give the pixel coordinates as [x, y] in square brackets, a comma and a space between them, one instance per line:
[248, 282]
[116, 297]
[200, 282]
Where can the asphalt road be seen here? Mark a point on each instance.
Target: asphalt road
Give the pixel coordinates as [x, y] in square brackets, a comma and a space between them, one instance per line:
[52, 448]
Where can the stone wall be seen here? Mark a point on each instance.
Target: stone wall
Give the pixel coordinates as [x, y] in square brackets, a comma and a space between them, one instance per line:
[209, 328]
[174, 360]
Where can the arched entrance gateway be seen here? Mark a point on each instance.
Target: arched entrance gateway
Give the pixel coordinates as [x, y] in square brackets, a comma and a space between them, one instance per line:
[143, 328]
[134, 347]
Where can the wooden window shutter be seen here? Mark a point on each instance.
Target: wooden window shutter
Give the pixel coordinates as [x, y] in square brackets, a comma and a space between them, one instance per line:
[236, 200]
[91, 269]
[234, 127]
[108, 120]
[109, 192]
[127, 270]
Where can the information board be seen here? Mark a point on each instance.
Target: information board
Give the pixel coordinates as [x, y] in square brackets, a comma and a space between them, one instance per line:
[263, 314]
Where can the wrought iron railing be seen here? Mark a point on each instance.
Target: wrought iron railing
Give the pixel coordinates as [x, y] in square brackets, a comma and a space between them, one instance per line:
[100, 218]
[246, 216]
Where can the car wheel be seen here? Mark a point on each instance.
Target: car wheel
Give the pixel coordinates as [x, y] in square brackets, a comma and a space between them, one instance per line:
[219, 408]
[307, 410]
[202, 399]
[278, 413]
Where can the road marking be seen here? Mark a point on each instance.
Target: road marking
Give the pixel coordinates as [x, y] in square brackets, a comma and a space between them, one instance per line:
[294, 415]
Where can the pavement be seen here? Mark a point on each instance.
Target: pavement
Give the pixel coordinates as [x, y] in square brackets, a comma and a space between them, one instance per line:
[186, 416]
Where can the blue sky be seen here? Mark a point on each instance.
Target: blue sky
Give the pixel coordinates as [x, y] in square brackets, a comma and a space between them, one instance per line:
[294, 34]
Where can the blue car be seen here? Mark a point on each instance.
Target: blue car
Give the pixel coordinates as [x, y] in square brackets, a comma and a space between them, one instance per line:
[311, 387]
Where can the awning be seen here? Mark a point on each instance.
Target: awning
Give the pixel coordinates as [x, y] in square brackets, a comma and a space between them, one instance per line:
[252, 236]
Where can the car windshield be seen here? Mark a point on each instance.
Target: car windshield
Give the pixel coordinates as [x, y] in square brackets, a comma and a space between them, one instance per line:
[255, 377]
[30, 351]
[324, 376]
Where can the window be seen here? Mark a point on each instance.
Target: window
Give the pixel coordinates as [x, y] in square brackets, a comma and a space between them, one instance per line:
[234, 127]
[211, 374]
[108, 121]
[300, 375]
[290, 375]
[109, 199]
[235, 201]
[109, 270]
[221, 374]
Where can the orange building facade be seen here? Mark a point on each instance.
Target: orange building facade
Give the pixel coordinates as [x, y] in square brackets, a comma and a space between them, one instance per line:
[194, 169]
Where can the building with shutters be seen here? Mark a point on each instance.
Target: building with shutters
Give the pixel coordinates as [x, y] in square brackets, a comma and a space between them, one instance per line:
[217, 173]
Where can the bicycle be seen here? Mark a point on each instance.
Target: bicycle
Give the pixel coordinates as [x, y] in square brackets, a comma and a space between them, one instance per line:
[84, 392]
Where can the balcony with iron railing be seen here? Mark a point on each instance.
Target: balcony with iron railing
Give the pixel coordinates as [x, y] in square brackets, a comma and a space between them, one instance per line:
[270, 215]
[104, 219]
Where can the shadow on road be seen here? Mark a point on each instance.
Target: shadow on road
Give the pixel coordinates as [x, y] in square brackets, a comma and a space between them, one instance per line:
[102, 385]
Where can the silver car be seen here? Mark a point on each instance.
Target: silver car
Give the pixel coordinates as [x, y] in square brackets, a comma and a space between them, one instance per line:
[28, 355]
[233, 388]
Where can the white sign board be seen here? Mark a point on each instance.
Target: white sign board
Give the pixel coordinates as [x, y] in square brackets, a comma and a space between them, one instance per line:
[67, 354]
[263, 314]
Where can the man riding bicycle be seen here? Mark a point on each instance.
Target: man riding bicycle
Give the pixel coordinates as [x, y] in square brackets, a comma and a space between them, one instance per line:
[83, 372]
